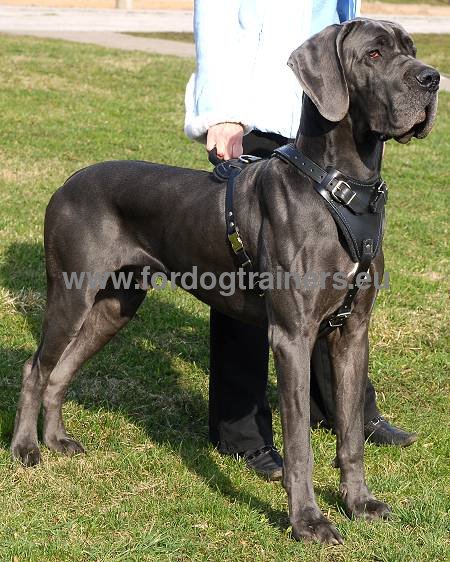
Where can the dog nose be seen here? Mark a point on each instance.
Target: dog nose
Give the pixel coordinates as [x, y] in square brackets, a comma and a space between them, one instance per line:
[429, 79]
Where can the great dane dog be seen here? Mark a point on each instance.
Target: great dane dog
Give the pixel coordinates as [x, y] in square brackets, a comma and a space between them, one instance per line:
[363, 85]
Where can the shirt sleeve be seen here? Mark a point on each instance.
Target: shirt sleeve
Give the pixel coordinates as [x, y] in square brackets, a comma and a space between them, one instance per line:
[218, 90]
[348, 9]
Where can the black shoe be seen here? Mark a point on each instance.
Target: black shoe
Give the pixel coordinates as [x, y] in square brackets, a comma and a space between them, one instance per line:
[266, 462]
[381, 432]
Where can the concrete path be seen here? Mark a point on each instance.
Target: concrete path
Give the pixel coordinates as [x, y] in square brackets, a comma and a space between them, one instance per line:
[445, 83]
[419, 24]
[18, 18]
[24, 19]
[103, 27]
[118, 41]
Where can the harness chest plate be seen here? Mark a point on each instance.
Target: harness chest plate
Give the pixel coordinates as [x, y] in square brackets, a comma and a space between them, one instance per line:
[357, 207]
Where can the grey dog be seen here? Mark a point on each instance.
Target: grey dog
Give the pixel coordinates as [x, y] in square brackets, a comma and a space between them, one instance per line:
[363, 85]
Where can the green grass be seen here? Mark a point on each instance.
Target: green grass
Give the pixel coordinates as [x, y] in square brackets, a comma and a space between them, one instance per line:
[433, 48]
[183, 36]
[150, 488]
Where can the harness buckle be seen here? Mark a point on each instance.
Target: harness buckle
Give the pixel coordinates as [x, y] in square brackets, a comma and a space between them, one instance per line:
[249, 158]
[337, 321]
[380, 198]
[341, 191]
[383, 190]
[236, 241]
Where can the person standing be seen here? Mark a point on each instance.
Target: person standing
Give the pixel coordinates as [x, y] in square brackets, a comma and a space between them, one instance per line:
[243, 98]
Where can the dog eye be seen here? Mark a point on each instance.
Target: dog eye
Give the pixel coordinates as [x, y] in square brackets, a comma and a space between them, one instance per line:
[374, 54]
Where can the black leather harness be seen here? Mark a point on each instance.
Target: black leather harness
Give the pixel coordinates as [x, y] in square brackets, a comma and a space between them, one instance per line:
[357, 208]
[228, 171]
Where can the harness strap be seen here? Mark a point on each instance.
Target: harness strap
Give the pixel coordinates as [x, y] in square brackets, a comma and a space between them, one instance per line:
[337, 319]
[233, 234]
[290, 154]
[330, 184]
[232, 169]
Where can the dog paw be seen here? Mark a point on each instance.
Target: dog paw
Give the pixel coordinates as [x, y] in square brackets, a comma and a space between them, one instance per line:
[27, 453]
[369, 510]
[316, 529]
[65, 445]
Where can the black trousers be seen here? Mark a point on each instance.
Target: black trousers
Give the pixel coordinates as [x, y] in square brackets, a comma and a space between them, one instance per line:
[240, 418]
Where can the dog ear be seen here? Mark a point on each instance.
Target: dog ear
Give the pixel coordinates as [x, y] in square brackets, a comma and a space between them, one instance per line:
[317, 65]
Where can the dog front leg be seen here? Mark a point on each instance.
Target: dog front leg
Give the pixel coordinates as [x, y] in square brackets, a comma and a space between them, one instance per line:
[349, 353]
[292, 357]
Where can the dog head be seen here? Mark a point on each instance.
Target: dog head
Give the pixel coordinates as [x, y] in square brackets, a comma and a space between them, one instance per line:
[370, 67]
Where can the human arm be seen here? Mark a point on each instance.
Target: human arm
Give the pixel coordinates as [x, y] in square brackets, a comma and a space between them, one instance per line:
[217, 94]
[227, 139]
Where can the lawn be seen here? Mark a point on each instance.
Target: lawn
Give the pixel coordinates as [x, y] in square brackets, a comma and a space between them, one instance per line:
[150, 488]
[434, 48]
[183, 36]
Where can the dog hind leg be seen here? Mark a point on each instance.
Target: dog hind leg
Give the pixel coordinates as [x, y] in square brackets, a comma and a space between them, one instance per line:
[112, 310]
[64, 316]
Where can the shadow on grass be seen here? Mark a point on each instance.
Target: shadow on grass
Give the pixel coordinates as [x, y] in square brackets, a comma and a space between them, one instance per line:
[23, 274]
[331, 496]
[143, 397]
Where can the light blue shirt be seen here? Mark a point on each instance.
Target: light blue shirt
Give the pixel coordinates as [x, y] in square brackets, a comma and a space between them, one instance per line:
[324, 12]
[242, 49]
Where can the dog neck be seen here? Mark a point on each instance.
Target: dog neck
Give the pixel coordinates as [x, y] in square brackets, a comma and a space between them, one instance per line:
[343, 145]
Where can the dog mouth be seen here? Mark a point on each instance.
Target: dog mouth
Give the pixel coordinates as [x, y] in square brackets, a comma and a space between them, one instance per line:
[415, 130]
[423, 125]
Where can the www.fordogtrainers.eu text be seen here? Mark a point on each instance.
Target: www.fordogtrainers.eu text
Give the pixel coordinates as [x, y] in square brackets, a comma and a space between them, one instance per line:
[227, 282]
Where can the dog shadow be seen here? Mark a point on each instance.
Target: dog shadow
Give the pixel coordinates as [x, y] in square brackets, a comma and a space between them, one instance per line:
[144, 386]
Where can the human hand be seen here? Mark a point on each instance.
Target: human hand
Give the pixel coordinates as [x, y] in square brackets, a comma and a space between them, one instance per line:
[227, 138]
